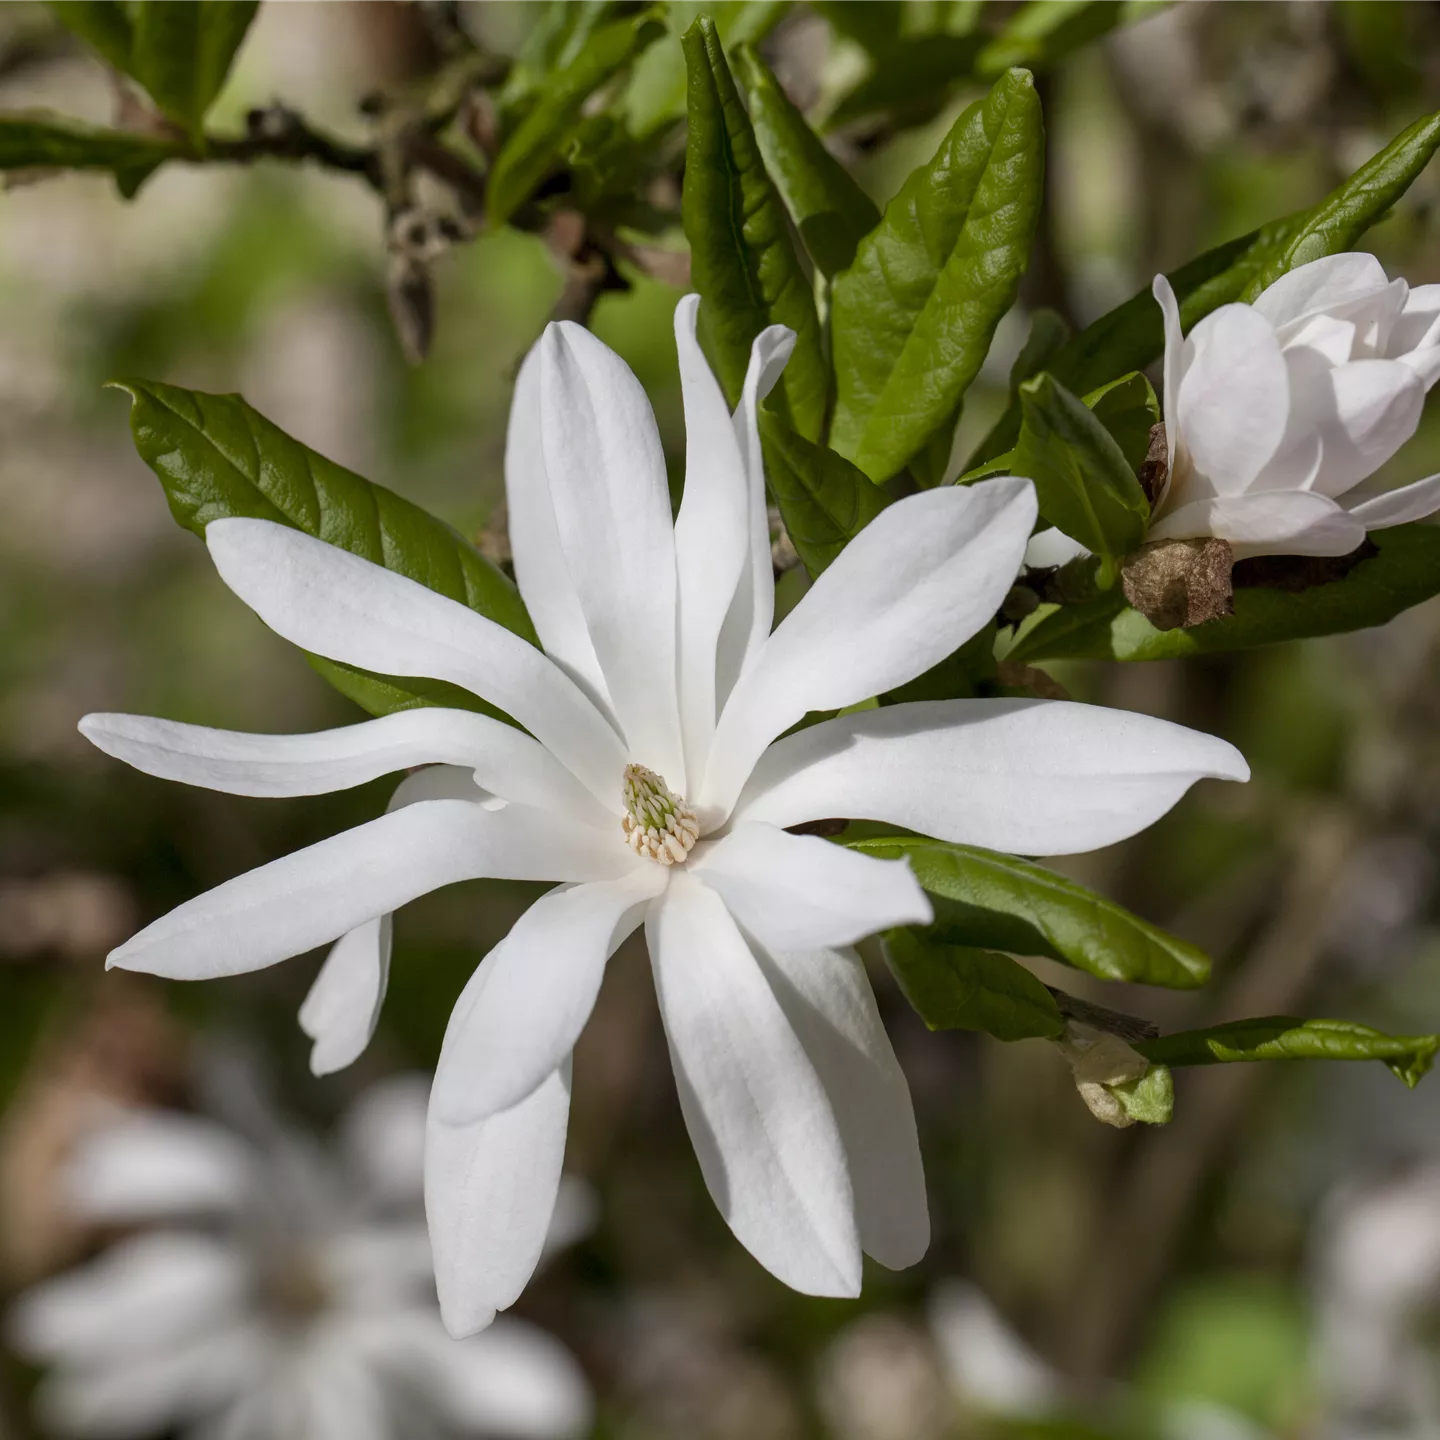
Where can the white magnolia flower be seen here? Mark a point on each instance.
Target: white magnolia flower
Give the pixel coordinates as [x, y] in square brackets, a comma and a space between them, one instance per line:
[654, 785]
[1276, 411]
[279, 1292]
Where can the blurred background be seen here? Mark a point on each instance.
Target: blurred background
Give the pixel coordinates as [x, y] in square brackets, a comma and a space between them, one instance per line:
[1266, 1265]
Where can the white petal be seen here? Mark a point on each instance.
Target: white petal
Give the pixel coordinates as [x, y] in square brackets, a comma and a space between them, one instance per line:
[1321, 285]
[712, 535]
[343, 1007]
[506, 761]
[317, 894]
[339, 1395]
[382, 1135]
[1332, 339]
[143, 1293]
[1398, 507]
[795, 892]
[1372, 409]
[827, 997]
[987, 1363]
[912, 587]
[1232, 402]
[511, 1379]
[526, 1004]
[541, 571]
[612, 511]
[1425, 363]
[1267, 522]
[378, 1265]
[489, 1194]
[1418, 326]
[753, 611]
[763, 1129]
[149, 1394]
[1032, 777]
[157, 1163]
[1051, 547]
[1174, 363]
[340, 606]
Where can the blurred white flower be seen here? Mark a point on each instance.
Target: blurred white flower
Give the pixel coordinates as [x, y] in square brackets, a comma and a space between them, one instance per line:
[1275, 412]
[278, 1292]
[990, 1367]
[652, 784]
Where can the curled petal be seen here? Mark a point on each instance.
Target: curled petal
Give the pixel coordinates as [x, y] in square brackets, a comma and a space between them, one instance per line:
[1398, 507]
[1267, 522]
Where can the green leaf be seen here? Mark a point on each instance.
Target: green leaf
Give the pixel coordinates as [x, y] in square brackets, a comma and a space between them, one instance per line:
[655, 96]
[181, 51]
[1049, 330]
[824, 500]
[912, 318]
[956, 987]
[530, 154]
[1000, 902]
[104, 25]
[912, 77]
[831, 212]
[1085, 485]
[1043, 31]
[1405, 572]
[28, 141]
[561, 31]
[873, 24]
[742, 261]
[1128, 409]
[1338, 221]
[217, 457]
[1280, 1037]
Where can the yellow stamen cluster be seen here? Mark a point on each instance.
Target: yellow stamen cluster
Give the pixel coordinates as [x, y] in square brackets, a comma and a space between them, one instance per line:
[657, 822]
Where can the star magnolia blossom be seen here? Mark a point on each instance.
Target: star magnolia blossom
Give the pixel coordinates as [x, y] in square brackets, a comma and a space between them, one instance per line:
[653, 786]
[1276, 411]
[278, 1291]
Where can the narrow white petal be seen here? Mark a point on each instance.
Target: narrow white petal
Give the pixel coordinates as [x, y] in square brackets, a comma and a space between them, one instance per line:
[1425, 362]
[156, 1163]
[541, 571]
[317, 894]
[1321, 285]
[345, 608]
[793, 892]
[912, 587]
[143, 1293]
[1174, 363]
[512, 1379]
[1232, 402]
[490, 1190]
[827, 997]
[753, 611]
[1267, 522]
[1372, 409]
[1052, 547]
[1398, 507]
[526, 1004]
[712, 535]
[506, 761]
[1032, 777]
[612, 512]
[1418, 326]
[343, 1007]
[764, 1132]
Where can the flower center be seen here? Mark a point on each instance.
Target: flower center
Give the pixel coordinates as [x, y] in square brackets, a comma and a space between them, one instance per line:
[657, 822]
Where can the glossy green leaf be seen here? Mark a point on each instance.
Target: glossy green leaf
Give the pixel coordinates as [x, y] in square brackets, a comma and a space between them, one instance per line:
[181, 52]
[831, 212]
[1405, 572]
[104, 25]
[655, 96]
[1000, 902]
[742, 260]
[957, 987]
[824, 500]
[1129, 410]
[561, 30]
[912, 318]
[41, 140]
[911, 78]
[1280, 1037]
[530, 154]
[1084, 483]
[1041, 32]
[217, 457]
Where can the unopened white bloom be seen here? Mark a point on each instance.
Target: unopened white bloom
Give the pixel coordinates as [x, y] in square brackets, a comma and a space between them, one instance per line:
[1275, 412]
[654, 786]
[277, 1292]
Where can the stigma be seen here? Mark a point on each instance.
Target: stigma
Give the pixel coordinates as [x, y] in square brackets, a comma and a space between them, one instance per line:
[657, 822]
